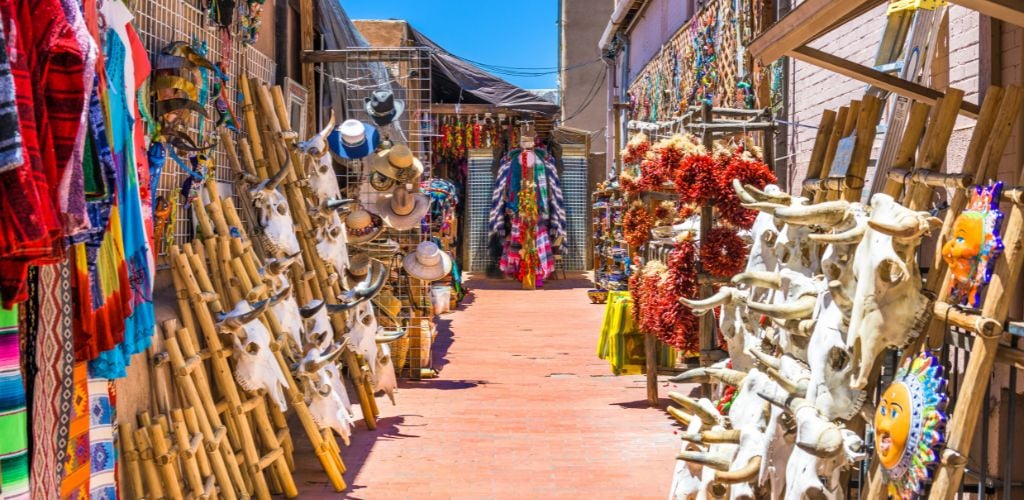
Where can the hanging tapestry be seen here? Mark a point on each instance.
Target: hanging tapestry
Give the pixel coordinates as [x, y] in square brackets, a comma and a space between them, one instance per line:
[13, 416]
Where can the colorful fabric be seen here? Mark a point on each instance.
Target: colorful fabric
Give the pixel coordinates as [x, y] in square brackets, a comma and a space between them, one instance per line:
[102, 454]
[11, 155]
[14, 473]
[74, 483]
[53, 390]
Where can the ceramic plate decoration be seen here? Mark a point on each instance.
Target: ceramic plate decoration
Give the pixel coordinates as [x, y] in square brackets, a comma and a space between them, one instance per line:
[972, 252]
[909, 425]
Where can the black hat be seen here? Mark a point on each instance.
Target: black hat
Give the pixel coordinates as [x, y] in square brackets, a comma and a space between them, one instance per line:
[383, 108]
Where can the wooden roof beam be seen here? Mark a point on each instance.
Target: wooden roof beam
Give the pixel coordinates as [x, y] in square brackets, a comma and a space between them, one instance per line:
[804, 23]
[877, 78]
[1011, 11]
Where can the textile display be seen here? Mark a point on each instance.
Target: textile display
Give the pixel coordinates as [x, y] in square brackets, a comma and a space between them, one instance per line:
[14, 473]
[102, 453]
[54, 382]
[74, 483]
[527, 215]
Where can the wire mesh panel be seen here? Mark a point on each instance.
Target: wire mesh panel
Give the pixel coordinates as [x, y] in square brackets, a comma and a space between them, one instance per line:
[160, 22]
[479, 187]
[351, 78]
[574, 191]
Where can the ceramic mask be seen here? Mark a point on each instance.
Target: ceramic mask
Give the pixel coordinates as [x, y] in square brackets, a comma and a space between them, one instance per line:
[972, 251]
[909, 423]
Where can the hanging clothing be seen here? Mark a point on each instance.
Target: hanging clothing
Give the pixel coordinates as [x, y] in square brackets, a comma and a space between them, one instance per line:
[53, 390]
[14, 473]
[74, 483]
[102, 453]
[528, 232]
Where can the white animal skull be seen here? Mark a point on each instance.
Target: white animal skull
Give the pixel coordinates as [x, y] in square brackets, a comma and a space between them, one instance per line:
[256, 367]
[316, 146]
[889, 308]
[325, 392]
[274, 215]
[332, 244]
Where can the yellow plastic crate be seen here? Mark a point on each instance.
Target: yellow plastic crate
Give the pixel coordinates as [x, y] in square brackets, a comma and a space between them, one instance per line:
[901, 5]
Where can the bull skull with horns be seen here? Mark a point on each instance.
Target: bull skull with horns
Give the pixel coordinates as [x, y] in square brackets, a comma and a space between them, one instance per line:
[286, 310]
[256, 367]
[279, 233]
[332, 244]
[325, 391]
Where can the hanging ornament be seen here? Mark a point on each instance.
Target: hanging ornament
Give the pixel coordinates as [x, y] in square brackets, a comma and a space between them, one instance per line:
[972, 252]
[909, 425]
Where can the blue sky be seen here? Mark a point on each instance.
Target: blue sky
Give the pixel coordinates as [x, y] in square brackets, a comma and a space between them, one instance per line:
[520, 34]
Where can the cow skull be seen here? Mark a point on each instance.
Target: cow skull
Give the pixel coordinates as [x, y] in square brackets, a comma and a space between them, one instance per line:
[736, 325]
[889, 307]
[332, 244]
[274, 215]
[286, 310]
[256, 367]
[324, 391]
[316, 146]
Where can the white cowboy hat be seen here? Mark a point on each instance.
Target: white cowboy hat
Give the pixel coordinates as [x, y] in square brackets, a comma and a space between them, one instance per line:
[397, 163]
[428, 262]
[403, 210]
[353, 140]
[363, 226]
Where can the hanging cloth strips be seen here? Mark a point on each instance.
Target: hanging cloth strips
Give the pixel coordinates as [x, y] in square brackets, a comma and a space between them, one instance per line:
[14, 471]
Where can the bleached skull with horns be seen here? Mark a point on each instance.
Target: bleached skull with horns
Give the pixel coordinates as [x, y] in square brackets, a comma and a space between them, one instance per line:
[324, 390]
[256, 367]
[274, 215]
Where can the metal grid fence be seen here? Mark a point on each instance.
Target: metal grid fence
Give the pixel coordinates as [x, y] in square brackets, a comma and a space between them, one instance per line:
[160, 22]
[479, 188]
[574, 191]
[349, 80]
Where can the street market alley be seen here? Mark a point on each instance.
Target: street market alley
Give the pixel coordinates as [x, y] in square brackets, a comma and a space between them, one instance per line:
[522, 407]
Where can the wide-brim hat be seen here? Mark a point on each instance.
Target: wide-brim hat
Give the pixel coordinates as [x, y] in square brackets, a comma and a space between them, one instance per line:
[428, 262]
[353, 140]
[363, 226]
[403, 210]
[397, 163]
[383, 108]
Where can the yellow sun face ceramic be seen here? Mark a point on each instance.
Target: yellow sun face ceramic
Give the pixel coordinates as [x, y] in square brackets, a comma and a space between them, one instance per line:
[892, 424]
[960, 251]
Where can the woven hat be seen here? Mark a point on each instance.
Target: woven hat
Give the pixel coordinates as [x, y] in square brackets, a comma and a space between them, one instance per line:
[359, 265]
[363, 226]
[403, 210]
[397, 163]
[383, 108]
[353, 140]
[428, 262]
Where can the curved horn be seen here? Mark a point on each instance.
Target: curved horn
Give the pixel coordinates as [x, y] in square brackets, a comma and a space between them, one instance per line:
[765, 279]
[704, 305]
[696, 375]
[726, 436]
[744, 474]
[280, 296]
[741, 192]
[760, 195]
[280, 265]
[700, 457]
[828, 441]
[910, 226]
[828, 213]
[763, 206]
[309, 310]
[692, 406]
[235, 320]
[681, 416]
[848, 237]
[801, 308]
[707, 375]
[385, 336]
[328, 357]
[339, 205]
[280, 175]
[324, 132]
[798, 389]
[372, 285]
[765, 359]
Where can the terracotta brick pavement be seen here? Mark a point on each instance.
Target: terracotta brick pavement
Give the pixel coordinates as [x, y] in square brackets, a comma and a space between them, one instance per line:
[522, 408]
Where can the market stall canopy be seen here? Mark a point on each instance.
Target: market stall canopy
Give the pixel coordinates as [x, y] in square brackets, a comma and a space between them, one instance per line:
[458, 81]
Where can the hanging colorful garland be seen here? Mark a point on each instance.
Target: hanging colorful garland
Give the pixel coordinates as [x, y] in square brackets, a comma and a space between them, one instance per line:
[637, 224]
[723, 253]
[656, 291]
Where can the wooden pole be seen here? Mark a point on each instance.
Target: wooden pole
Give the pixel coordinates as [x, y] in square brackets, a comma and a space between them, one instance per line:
[707, 215]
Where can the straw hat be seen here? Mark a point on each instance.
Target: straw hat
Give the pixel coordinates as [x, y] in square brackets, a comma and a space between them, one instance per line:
[428, 262]
[363, 226]
[353, 140]
[359, 266]
[403, 210]
[397, 163]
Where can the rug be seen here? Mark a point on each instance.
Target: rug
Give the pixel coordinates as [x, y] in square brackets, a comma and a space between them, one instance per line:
[14, 480]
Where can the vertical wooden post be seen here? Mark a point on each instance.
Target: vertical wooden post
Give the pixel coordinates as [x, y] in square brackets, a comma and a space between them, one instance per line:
[707, 213]
[308, 75]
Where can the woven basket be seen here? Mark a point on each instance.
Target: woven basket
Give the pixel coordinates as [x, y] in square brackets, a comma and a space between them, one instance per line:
[400, 353]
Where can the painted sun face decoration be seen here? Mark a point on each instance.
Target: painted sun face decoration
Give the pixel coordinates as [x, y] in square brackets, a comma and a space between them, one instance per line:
[972, 251]
[909, 425]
